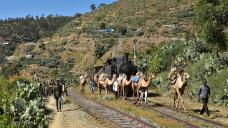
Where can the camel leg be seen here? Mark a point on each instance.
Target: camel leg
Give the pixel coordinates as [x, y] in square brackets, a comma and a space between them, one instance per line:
[146, 96]
[141, 97]
[137, 95]
[99, 89]
[106, 91]
[123, 93]
[146, 93]
[81, 88]
[180, 99]
[133, 89]
[174, 99]
[118, 90]
[177, 102]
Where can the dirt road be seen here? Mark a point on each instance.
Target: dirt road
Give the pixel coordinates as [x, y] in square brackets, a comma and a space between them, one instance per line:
[72, 116]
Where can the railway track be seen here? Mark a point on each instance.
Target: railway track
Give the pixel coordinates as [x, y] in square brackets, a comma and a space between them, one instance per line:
[188, 119]
[115, 117]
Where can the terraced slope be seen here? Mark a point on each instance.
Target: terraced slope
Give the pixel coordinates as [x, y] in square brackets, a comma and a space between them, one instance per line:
[143, 21]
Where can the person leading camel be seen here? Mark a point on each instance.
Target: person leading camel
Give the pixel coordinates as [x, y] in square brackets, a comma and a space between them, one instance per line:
[204, 94]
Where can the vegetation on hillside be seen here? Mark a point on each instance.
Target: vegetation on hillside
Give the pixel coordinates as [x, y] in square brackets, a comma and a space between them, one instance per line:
[190, 55]
[28, 29]
[212, 21]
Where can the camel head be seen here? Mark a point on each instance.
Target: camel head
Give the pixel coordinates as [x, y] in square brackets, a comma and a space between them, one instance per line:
[86, 76]
[185, 76]
[151, 76]
[114, 76]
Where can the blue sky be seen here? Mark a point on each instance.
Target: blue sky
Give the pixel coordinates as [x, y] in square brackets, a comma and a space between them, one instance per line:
[21, 8]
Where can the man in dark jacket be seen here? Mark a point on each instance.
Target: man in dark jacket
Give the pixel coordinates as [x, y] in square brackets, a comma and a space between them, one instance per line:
[204, 94]
[58, 92]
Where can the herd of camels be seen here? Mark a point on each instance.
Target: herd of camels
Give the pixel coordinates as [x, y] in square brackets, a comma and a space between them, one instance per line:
[178, 77]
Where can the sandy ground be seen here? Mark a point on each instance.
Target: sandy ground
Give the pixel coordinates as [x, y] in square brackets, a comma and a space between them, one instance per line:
[72, 116]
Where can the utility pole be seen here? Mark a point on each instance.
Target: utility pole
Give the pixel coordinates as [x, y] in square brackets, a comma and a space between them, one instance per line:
[135, 51]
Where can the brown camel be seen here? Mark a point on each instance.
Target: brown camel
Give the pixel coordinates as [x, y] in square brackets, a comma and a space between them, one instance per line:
[142, 83]
[125, 83]
[103, 81]
[179, 87]
[82, 83]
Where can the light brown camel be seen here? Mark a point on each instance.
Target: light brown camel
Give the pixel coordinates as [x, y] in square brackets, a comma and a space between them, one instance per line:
[82, 83]
[103, 81]
[117, 83]
[142, 83]
[179, 88]
[124, 84]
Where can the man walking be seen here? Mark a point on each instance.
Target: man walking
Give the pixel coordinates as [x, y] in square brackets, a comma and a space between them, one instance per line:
[58, 95]
[204, 93]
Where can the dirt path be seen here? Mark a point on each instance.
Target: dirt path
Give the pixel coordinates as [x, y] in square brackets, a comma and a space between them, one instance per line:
[72, 116]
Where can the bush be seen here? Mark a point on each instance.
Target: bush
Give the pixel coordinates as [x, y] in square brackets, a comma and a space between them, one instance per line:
[29, 105]
[218, 84]
[103, 46]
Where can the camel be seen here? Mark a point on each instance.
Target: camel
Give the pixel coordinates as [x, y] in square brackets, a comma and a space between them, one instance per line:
[117, 84]
[103, 81]
[142, 83]
[82, 83]
[179, 87]
[124, 83]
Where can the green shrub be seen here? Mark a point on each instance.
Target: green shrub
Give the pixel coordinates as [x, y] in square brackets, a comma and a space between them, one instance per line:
[103, 46]
[99, 17]
[218, 84]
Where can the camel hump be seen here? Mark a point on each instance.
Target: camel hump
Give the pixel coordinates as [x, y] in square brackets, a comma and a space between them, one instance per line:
[102, 76]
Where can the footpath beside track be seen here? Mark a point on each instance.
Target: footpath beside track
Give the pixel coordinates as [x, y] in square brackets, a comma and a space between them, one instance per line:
[115, 117]
[180, 116]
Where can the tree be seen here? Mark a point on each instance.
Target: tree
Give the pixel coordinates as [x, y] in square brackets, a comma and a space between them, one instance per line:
[211, 21]
[77, 15]
[103, 25]
[101, 5]
[93, 7]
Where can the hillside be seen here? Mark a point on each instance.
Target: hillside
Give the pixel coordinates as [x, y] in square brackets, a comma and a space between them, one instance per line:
[147, 22]
[29, 29]
[163, 31]
[167, 33]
